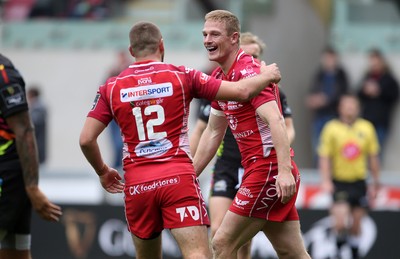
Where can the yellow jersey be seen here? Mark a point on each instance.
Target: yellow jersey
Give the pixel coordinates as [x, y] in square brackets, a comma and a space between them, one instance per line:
[348, 147]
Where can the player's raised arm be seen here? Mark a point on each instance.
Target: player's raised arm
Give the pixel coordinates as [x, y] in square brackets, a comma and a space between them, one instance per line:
[246, 89]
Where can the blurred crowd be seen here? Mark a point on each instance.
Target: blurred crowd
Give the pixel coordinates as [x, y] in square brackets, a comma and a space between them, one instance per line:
[19, 10]
[378, 92]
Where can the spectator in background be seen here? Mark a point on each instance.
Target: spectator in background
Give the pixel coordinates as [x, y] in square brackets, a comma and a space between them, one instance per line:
[123, 61]
[330, 82]
[378, 93]
[38, 112]
[348, 146]
[89, 9]
[43, 9]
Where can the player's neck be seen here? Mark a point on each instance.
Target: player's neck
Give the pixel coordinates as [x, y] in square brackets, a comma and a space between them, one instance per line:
[148, 58]
[227, 64]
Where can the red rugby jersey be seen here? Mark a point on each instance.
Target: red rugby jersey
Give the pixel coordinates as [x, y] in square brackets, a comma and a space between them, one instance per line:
[150, 102]
[252, 134]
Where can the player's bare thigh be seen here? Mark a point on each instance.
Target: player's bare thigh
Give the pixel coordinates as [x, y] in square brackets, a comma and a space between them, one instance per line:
[218, 206]
[193, 242]
[148, 248]
[286, 239]
[235, 231]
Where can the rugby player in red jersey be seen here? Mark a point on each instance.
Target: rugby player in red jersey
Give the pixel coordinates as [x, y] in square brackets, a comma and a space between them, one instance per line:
[266, 198]
[227, 171]
[150, 101]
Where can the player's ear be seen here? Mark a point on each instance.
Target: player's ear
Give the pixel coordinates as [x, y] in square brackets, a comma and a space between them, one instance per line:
[161, 45]
[235, 37]
[131, 51]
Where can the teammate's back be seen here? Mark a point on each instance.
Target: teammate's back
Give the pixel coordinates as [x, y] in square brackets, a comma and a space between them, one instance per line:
[150, 101]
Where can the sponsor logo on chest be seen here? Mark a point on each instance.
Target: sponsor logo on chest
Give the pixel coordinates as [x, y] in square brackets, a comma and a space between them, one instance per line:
[242, 134]
[230, 105]
[146, 92]
[248, 72]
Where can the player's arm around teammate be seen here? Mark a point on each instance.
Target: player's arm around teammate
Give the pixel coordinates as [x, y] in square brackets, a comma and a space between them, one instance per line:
[245, 89]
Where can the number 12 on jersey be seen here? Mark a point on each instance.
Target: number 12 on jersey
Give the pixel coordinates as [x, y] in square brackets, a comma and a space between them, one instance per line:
[159, 110]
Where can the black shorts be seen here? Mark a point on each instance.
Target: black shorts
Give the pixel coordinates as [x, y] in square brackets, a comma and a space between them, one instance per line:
[15, 206]
[354, 193]
[226, 180]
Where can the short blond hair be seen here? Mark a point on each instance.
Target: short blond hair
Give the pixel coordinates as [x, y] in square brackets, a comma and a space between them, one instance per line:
[144, 38]
[230, 20]
[247, 38]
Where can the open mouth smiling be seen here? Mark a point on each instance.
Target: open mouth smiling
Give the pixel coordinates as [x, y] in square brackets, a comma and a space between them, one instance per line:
[211, 48]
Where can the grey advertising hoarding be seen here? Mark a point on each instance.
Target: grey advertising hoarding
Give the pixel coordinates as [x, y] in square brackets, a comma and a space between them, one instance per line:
[99, 231]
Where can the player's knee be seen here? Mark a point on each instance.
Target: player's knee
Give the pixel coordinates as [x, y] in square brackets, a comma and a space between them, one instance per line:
[213, 230]
[245, 251]
[219, 244]
[201, 251]
[288, 253]
[283, 252]
[291, 251]
[199, 255]
[216, 245]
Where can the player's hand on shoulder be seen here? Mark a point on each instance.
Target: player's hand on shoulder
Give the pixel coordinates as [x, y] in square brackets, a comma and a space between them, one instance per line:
[46, 209]
[272, 71]
[111, 180]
